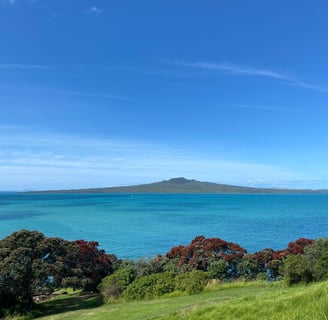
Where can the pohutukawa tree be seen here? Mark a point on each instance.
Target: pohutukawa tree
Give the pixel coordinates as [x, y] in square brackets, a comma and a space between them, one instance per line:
[31, 264]
[201, 252]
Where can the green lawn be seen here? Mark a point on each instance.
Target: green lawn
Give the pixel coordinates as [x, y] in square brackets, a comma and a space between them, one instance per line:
[236, 301]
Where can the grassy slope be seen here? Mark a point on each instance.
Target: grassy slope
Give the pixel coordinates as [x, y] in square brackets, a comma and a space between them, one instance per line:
[298, 303]
[241, 301]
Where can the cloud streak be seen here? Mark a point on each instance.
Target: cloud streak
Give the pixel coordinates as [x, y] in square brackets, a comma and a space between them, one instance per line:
[235, 69]
[253, 72]
[23, 66]
[40, 161]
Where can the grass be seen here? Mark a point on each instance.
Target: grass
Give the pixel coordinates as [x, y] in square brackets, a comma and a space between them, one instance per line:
[242, 301]
[297, 303]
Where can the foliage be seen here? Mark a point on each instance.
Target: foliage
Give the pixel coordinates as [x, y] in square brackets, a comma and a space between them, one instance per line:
[275, 269]
[113, 285]
[207, 254]
[150, 286]
[201, 252]
[217, 269]
[30, 263]
[296, 270]
[256, 263]
[312, 265]
[145, 267]
[191, 282]
[93, 264]
[294, 248]
[317, 257]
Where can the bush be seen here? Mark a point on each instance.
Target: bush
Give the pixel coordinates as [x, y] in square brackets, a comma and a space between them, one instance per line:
[217, 269]
[262, 276]
[113, 285]
[317, 257]
[296, 270]
[191, 282]
[154, 285]
[275, 269]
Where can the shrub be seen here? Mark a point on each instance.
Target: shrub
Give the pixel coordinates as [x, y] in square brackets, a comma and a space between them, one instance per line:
[248, 267]
[113, 285]
[296, 270]
[151, 286]
[144, 267]
[317, 257]
[275, 269]
[217, 269]
[191, 282]
[262, 276]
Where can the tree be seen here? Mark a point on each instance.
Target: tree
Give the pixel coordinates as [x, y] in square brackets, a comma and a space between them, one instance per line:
[294, 248]
[297, 270]
[93, 264]
[275, 265]
[317, 257]
[218, 269]
[31, 263]
[201, 252]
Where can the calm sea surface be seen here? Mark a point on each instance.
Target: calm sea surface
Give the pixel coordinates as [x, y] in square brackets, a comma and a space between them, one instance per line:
[135, 225]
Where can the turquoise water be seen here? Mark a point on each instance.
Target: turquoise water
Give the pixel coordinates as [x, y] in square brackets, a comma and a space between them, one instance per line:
[135, 225]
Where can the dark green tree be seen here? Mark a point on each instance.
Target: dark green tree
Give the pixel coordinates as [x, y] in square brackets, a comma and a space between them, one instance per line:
[218, 269]
[317, 257]
[31, 263]
[297, 270]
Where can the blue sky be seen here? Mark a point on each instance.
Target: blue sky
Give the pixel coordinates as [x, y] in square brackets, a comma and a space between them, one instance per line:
[98, 93]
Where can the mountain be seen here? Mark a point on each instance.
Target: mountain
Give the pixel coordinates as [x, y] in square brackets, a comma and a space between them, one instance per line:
[182, 185]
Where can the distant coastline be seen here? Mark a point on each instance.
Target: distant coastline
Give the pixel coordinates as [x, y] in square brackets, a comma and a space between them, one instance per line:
[185, 186]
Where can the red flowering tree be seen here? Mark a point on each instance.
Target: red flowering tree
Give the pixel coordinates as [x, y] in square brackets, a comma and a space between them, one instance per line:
[254, 263]
[201, 252]
[294, 248]
[94, 263]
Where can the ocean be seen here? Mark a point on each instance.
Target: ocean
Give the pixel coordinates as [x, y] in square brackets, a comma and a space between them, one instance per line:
[144, 225]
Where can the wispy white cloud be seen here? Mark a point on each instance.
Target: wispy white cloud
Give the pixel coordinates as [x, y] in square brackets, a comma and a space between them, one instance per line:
[95, 10]
[310, 86]
[23, 66]
[40, 161]
[236, 69]
[253, 72]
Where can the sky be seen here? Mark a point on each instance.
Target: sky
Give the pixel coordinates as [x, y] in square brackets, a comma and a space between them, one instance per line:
[97, 93]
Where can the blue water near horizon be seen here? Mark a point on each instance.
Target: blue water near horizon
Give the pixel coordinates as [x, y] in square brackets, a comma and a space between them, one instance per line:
[144, 225]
